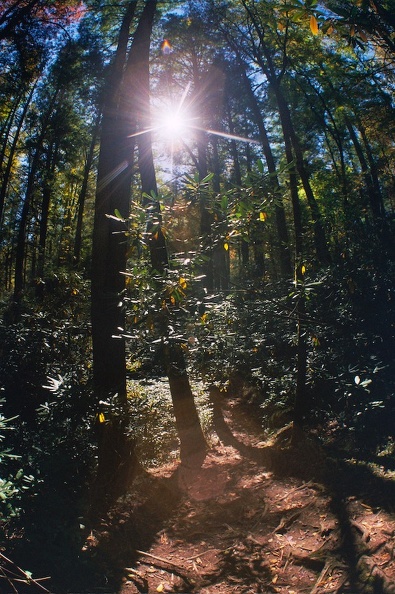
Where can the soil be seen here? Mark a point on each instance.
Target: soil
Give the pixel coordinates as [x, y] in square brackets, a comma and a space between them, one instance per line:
[257, 516]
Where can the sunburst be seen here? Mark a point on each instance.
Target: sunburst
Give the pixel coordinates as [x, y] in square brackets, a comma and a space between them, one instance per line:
[175, 124]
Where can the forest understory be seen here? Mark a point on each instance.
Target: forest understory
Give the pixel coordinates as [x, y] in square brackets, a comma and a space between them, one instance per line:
[197, 263]
[258, 516]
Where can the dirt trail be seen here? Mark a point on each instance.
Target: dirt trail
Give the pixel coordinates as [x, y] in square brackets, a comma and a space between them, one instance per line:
[257, 517]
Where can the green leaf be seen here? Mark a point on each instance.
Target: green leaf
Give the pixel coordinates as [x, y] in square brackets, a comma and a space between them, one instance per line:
[259, 165]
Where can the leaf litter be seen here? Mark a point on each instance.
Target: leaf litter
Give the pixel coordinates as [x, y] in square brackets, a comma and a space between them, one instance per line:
[257, 517]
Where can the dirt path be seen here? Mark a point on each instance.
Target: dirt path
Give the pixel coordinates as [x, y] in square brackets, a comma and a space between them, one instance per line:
[257, 517]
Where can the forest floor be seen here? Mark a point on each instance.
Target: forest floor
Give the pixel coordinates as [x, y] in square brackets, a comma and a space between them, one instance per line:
[257, 517]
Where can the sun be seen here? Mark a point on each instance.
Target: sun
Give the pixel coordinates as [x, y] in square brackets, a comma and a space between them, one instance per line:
[174, 123]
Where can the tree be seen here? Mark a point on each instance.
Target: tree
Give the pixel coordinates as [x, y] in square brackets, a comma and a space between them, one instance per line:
[192, 441]
[116, 454]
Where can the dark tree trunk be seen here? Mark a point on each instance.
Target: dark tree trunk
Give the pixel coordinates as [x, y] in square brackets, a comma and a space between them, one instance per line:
[82, 197]
[22, 225]
[21, 235]
[286, 121]
[45, 204]
[244, 245]
[116, 458]
[265, 61]
[11, 156]
[369, 174]
[282, 231]
[221, 264]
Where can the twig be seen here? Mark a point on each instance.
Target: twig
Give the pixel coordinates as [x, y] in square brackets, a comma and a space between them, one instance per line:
[201, 554]
[321, 577]
[362, 530]
[300, 488]
[145, 554]
[3, 574]
[27, 578]
[286, 522]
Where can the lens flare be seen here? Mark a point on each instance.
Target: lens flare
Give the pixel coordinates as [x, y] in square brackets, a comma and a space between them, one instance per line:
[166, 47]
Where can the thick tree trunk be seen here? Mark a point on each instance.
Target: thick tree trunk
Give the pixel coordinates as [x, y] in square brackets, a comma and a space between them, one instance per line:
[116, 458]
[193, 445]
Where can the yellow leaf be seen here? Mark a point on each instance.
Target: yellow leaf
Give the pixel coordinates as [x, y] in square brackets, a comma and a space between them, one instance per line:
[102, 418]
[313, 25]
[303, 269]
[204, 318]
[160, 588]
[183, 283]
[262, 216]
[226, 246]
[172, 300]
[281, 26]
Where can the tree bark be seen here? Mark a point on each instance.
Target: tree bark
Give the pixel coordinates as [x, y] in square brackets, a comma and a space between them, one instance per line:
[116, 458]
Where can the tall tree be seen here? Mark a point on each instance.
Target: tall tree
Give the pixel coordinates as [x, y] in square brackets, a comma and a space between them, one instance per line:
[116, 454]
[192, 441]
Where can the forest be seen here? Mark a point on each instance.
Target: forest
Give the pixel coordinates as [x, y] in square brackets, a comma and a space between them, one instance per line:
[197, 296]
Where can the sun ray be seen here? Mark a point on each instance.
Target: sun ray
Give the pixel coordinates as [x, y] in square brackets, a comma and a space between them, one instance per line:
[227, 135]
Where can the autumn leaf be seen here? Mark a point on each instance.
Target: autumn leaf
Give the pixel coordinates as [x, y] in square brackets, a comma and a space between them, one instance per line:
[313, 25]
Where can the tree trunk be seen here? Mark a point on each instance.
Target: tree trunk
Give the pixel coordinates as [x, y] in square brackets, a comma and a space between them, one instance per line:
[11, 156]
[372, 183]
[244, 246]
[221, 264]
[319, 232]
[21, 234]
[82, 197]
[265, 61]
[192, 441]
[282, 231]
[116, 458]
[45, 204]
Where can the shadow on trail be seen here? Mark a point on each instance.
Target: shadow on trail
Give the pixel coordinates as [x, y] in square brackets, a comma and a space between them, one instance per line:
[133, 525]
[342, 479]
